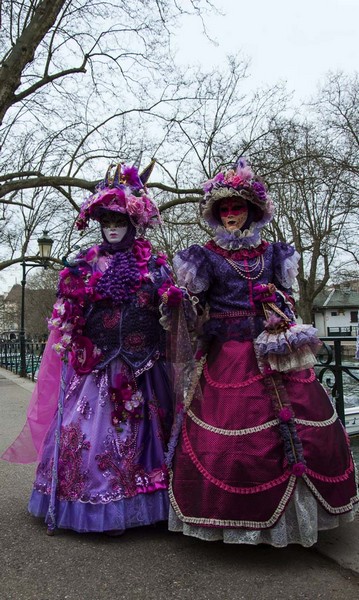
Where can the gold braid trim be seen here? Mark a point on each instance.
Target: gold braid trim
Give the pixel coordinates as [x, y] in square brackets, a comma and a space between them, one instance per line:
[233, 523]
[220, 431]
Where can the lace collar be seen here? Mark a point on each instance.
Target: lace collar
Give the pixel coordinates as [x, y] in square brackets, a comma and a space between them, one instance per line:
[249, 238]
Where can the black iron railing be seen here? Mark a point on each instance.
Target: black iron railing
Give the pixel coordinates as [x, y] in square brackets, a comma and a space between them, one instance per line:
[338, 370]
[10, 357]
[349, 330]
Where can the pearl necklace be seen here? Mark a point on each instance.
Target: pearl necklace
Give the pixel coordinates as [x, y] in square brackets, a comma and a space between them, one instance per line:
[247, 270]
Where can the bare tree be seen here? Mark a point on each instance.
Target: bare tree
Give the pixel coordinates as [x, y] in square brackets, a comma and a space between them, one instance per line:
[309, 164]
[40, 296]
[84, 85]
[226, 122]
[337, 110]
[313, 201]
[95, 84]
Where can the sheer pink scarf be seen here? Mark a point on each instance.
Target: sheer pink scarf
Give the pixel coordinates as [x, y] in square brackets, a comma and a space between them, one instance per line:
[42, 408]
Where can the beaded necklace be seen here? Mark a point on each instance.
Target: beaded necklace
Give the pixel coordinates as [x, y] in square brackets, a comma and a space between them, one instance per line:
[246, 272]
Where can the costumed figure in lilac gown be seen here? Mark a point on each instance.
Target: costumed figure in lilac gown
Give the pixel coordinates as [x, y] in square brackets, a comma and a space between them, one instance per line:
[101, 414]
[262, 456]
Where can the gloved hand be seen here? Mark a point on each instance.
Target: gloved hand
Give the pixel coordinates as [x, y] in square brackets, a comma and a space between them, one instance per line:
[171, 295]
[264, 293]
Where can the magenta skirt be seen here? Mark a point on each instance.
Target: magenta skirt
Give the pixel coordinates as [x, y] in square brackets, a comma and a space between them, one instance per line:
[249, 438]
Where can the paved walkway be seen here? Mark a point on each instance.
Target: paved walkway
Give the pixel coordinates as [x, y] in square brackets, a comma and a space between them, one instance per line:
[150, 563]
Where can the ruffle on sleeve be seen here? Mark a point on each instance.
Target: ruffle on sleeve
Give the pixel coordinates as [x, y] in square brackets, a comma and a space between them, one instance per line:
[192, 268]
[285, 262]
[290, 350]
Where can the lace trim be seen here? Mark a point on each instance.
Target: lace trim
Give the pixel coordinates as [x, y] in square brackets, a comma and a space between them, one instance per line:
[258, 377]
[303, 517]
[234, 523]
[221, 431]
[241, 253]
[196, 375]
[330, 421]
[228, 488]
[258, 428]
[330, 509]
[216, 384]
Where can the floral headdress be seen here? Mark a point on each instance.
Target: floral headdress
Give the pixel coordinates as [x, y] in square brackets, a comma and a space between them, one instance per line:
[239, 181]
[124, 193]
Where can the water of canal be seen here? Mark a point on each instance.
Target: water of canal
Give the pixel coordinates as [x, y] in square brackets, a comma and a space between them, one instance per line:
[354, 443]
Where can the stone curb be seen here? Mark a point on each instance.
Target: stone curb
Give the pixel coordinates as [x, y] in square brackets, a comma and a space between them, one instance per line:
[23, 382]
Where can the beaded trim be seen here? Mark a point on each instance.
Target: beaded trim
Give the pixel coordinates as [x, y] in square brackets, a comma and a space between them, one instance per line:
[233, 523]
[234, 313]
[330, 509]
[231, 432]
[219, 385]
[248, 268]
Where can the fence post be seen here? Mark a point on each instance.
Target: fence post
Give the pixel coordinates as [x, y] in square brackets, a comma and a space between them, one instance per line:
[339, 392]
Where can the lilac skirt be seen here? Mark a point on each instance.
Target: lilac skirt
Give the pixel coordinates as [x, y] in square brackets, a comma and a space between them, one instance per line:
[108, 479]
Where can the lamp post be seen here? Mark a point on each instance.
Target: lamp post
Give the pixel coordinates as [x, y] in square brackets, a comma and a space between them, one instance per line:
[45, 245]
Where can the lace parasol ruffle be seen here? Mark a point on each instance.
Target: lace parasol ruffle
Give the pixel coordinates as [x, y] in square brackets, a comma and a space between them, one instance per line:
[289, 350]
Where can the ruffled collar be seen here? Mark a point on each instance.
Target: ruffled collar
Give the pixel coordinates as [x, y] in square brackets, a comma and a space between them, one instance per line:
[235, 240]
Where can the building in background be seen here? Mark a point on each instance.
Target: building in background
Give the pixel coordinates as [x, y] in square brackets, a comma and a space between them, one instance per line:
[335, 311]
[38, 307]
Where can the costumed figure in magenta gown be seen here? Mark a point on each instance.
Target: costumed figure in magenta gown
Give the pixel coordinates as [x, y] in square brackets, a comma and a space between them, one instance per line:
[262, 456]
[101, 413]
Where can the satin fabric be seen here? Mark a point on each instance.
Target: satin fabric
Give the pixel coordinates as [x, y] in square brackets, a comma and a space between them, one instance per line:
[230, 468]
[100, 473]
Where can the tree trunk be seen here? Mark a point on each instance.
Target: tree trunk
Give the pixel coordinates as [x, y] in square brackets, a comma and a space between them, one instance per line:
[24, 50]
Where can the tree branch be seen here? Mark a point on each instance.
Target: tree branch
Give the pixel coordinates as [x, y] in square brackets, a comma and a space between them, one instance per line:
[23, 51]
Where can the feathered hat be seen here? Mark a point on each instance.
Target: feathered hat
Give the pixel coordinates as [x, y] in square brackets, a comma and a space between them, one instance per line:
[125, 192]
[238, 181]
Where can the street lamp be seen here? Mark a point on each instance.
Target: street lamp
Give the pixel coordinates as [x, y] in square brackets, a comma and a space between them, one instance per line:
[45, 245]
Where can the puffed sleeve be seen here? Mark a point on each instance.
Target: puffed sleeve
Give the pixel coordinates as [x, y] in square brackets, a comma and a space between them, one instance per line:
[285, 264]
[193, 269]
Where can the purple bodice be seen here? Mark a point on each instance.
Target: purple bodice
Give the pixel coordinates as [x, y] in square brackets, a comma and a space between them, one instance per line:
[108, 307]
[227, 288]
[132, 330]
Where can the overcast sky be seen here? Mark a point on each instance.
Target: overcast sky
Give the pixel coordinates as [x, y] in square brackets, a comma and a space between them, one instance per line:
[286, 40]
